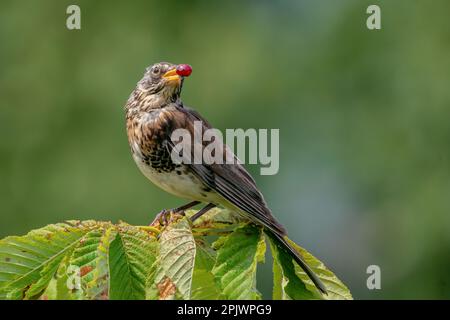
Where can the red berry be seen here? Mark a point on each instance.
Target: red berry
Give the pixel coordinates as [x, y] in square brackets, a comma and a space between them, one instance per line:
[184, 70]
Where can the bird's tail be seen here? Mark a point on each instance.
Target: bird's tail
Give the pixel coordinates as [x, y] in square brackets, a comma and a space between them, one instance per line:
[284, 245]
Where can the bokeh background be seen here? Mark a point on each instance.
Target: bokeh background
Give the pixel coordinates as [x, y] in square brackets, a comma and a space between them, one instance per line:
[364, 119]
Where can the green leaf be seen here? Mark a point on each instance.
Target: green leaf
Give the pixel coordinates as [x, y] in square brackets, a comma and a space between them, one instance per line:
[101, 260]
[237, 259]
[91, 257]
[204, 284]
[287, 284]
[172, 277]
[131, 255]
[335, 287]
[58, 288]
[46, 274]
[28, 263]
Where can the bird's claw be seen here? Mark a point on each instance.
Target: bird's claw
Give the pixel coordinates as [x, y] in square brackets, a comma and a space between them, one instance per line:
[165, 217]
[161, 218]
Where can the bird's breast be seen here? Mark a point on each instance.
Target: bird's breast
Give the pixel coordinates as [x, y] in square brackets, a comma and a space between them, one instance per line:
[148, 135]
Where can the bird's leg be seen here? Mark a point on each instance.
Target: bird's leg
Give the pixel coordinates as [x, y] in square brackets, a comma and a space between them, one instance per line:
[186, 206]
[202, 211]
[162, 217]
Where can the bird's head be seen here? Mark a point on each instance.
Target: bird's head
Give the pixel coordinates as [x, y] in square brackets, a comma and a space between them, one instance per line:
[162, 83]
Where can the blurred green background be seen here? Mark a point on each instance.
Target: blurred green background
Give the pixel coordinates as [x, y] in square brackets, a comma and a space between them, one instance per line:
[363, 116]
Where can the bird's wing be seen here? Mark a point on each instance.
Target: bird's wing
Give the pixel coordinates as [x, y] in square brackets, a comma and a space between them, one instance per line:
[231, 181]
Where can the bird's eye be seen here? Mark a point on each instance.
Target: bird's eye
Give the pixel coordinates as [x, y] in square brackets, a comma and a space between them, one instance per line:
[155, 70]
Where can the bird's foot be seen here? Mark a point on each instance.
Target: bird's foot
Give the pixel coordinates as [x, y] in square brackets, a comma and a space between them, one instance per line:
[165, 217]
[161, 218]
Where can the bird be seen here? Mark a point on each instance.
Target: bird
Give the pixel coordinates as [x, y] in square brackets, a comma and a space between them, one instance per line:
[153, 111]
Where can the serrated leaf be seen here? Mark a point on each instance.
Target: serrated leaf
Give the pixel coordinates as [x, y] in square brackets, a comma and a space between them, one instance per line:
[99, 260]
[204, 284]
[172, 276]
[131, 254]
[46, 274]
[28, 263]
[286, 283]
[236, 263]
[58, 288]
[335, 287]
[91, 257]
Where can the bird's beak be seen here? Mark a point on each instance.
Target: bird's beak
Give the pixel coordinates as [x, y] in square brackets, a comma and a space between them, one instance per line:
[171, 76]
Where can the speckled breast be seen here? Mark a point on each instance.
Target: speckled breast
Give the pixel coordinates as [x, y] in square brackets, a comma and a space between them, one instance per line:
[148, 135]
